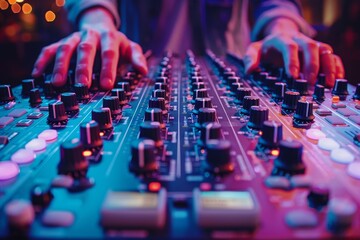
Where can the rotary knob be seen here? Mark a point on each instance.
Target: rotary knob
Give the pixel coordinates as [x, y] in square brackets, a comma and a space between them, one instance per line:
[208, 131]
[41, 196]
[258, 115]
[357, 92]
[90, 135]
[6, 94]
[279, 91]
[301, 86]
[235, 86]
[249, 101]
[231, 80]
[82, 92]
[270, 83]
[318, 196]
[202, 103]
[49, 90]
[130, 80]
[34, 97]
[271, 134]
[289, 162]
[304, 114]
[57, 113]
[162, 79]
[200, 93]
[159, 93]
[241, 93]
[27, 85]
[143, 158]
[341, 214]
[154, 115]
[151, 130]
[103, 117]
[206, 115]
[340, 88]
[162, 86]
[70, 102]
[72, 161]
[196, 78]
[158, 103]
[319, 93]
[261, 76]
[113, 103]
[197, 85]
[218, 156]
[290, 101]
[126, 87]
[120, 93]
[321, 79]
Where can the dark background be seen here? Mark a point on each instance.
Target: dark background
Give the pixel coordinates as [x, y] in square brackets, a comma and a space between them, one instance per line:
[22, 35]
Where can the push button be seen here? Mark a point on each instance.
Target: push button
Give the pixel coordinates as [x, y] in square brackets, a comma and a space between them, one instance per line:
[23, 156]
[342, 155]
[48, 135]
[5, 121]
[328, 144]
[36, 145]
[335, 121]
[8, 170]
[17, 113]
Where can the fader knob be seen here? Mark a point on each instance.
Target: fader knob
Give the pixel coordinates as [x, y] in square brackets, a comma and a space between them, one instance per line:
[49, 90]
[143, 156]
[248, 102]
[82, 92]
[27, 85]
[357, 92]
[70, 102]
[154, 115]
[6, 94]
[34, 97]
[103, 117]
[120, 93]
[208, 131]
[202, 103]
[200, 93]
[289, 162]
[90, 135]
[113, 103]
[158, 103]
[271, 134]
[301, 86]
[290, 101]
[258, 115]
[151, 130]
[218, 156]
[279, 91]
[72, 161]
[340, 88]
[57, 113]
[304, 114]
[319, 93]
[206, 115]
[241, 93]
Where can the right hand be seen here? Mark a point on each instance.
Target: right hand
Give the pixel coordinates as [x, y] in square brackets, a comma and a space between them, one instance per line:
[94, 33]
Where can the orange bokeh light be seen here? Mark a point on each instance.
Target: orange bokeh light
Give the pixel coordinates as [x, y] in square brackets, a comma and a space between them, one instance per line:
[50, 16]
[16, 8]
[154, 186]
[12, 1]
[27, 8]
[60, 3]
[87, 153]
[3, 5]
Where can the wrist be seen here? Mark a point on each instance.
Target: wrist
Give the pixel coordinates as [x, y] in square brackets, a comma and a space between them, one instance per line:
[281, 25]
[96, 16]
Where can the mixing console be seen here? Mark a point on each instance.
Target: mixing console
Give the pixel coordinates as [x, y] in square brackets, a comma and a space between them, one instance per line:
[196, 149]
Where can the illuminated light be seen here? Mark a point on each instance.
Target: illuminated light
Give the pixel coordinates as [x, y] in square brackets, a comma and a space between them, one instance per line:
[154, 186]
[205, 186]
[50, 16]
[87, 153]
[19, 1]
[4, 5]
[274, 152]
[16, 8]
[27, 8]
[202, 151]
[60, 3]
[101, 134]
[12, 2]
[260, 133]
[335, 99]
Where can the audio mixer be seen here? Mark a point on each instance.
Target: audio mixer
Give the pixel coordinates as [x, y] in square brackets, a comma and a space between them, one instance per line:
[196, 149]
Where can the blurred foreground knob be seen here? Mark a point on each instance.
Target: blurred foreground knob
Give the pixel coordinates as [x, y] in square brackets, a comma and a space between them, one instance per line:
[218, 156]
[90, 135]
[6, 94]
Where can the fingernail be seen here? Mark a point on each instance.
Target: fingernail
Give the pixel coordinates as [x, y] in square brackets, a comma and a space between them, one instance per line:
[82, 78]
[57, 78]
[294, 71]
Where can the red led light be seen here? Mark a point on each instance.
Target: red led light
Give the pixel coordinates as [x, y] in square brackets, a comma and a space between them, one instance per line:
[205, 187]
[154, 186]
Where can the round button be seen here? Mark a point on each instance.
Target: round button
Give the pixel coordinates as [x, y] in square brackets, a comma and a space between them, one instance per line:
[342, 155]
[328, 144]
[8, 170]
[354, 169]
[23, 156]
[48, 135]
[36, 145]
[314, 134]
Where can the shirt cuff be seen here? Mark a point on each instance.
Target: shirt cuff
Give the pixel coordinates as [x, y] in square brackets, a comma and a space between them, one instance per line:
[270, 15]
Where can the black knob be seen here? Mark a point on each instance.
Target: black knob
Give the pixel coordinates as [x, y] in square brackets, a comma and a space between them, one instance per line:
[57, 113]
[249, 101]
[202, 103]
[228, 73]
[235, 86]
[103, 117]
[120, 93]
[41, 196]
[6, 94]
[270, 83]
[154, 115]
[340, 88]
[82, 92]
[304, 114]
[258, 115]
[126, 87]
[113, 103]
[200, 93]
[271, 134]
[319, 93]
[357, 92]
[90, 135]
[159, 93]
[231, 80]
[301, 86]
[218, 156]
[151, 130]
[49, 90]
[163, 86]
[208, 131]
[279, 91]
[321, 79]
[261, 76]
[34, 97]
[318, 196]
[197, 85]
[162, 79]
[195, 79]
[72, 161]
[241, 93]
[130, 80]
[290, 101]
[289, 162]
[206, 115]
[158, 103]
[143, 158]
[27, 85]
[70, 102]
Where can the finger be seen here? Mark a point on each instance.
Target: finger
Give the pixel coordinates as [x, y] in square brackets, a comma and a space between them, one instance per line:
[327, 64]
[85, 57]
[311, 60]
[62, 60]
[46, 55]
[252, 57]
[109, 59]
[340, 70]
[138, 59]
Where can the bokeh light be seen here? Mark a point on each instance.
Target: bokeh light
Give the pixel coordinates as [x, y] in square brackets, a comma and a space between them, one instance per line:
[3, 5]
[27, 8]
[50, 16]
[12, 1]
[16, 8]
[60, 3]
[19, 1]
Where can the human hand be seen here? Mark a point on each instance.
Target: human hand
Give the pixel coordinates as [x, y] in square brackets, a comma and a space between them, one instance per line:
[94, 33]
[286, 46]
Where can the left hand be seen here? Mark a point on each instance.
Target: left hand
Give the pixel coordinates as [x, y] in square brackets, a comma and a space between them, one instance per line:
[284, 45]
